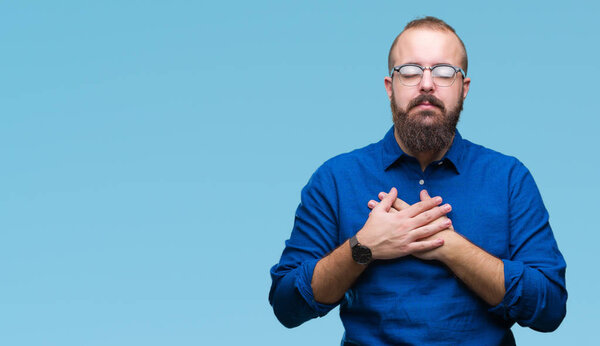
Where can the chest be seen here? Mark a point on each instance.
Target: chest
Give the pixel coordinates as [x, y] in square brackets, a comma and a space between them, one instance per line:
[480, 203]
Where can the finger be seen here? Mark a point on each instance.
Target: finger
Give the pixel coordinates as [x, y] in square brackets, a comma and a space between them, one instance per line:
[425, 245]
[431, 215]
[372, 204]
[430, 229]
[424, 196]
[422, 206]
[398, 203]
[387, 201]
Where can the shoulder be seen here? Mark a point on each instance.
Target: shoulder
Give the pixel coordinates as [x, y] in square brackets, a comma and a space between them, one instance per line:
[352, 162]
[346, 167]
[479, 156]
[323, 187]
[493, 167]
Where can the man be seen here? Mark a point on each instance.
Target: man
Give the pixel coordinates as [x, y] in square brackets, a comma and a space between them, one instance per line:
[411, 269]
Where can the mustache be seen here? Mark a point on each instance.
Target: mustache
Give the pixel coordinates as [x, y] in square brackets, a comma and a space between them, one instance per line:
[426, 98]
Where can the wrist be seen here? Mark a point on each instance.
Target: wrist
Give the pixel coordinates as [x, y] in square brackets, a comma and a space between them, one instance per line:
[454, 246]
[361, 254]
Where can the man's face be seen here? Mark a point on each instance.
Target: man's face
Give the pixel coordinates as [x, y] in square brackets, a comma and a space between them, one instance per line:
[425, 115]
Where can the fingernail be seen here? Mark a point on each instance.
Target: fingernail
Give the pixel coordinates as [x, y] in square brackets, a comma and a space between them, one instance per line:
[438, 199]
[448, 222]
[447, 207]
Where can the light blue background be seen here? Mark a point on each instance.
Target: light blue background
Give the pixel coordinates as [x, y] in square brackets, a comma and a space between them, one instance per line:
[152, 153]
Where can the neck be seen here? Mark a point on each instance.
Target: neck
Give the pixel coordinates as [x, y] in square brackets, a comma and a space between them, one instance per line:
[425, 157]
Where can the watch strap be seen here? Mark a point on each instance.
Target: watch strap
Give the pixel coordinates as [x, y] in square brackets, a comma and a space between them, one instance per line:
[353, 241]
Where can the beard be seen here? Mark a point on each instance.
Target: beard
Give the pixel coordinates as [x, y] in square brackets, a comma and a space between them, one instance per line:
[419, 136]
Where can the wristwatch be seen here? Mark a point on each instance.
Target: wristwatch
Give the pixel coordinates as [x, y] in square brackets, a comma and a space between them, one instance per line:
[360, 253]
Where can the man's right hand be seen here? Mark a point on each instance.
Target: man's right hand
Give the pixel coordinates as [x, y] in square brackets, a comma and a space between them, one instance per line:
[392, 234]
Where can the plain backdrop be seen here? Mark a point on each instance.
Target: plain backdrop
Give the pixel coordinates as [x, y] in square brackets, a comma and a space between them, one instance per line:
[152, 153]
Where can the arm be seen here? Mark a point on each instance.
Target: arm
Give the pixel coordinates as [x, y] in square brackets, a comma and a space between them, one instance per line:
[389, 234]
[315, 233]
[534, 274]
[480, 271]
[529, 286]
[312, 276]
[521, 289]
[335, 274]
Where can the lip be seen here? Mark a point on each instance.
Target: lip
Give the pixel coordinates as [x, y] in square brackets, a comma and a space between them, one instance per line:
[425, 105]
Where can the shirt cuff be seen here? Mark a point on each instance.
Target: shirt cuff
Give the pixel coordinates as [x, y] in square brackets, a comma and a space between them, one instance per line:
[512, 273]
[303, 284]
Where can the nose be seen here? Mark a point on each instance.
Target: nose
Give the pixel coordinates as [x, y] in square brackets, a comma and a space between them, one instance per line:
[427, 85]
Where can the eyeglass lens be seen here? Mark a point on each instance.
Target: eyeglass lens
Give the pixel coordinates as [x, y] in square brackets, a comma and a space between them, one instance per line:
[412, 75]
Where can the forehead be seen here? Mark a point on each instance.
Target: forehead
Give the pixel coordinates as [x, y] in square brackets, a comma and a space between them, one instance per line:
[428, 47]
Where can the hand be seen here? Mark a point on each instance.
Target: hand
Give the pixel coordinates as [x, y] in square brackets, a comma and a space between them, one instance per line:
[447, 235]
[392, 233]
[444, 234]
[399, 204]
[480, 271]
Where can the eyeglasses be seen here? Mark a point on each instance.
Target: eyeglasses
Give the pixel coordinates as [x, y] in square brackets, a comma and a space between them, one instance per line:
[443, 75]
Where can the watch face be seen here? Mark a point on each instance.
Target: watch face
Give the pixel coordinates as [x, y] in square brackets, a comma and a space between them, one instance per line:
[361, 254]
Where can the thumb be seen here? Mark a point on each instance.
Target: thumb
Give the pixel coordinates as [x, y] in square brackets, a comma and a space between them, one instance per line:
[387, 201]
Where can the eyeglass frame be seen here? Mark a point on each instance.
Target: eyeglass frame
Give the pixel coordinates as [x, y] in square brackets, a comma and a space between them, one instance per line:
[430, 68]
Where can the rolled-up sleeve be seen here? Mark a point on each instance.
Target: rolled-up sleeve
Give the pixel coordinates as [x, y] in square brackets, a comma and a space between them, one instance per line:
[314, 235]
[534, 275]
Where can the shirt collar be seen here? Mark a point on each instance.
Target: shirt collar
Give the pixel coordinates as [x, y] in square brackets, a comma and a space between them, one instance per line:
[392, 151]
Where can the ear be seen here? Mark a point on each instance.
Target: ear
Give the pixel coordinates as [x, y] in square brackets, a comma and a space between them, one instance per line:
[466, 85]
[388, 86]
